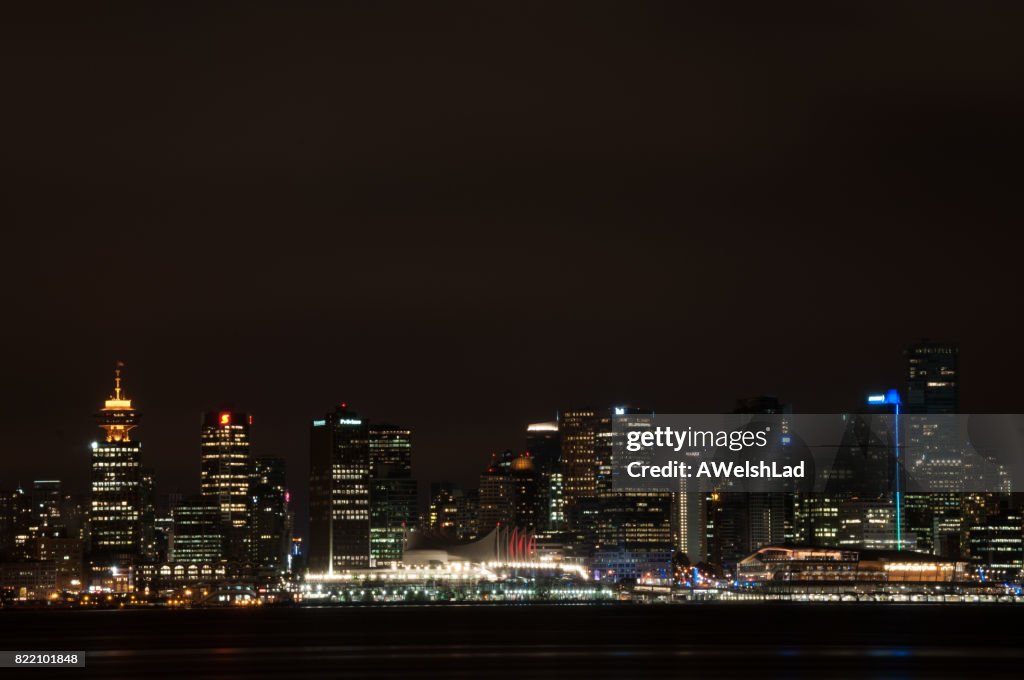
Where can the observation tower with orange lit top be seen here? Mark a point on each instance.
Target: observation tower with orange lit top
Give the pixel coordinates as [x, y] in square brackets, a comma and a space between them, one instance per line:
[115, 504]
[117, 417]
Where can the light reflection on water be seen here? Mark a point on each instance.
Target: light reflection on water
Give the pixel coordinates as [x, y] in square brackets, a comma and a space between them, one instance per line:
[536, 641]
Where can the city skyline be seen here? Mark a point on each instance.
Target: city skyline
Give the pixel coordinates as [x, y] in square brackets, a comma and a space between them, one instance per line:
[555, 509]
[463, 472]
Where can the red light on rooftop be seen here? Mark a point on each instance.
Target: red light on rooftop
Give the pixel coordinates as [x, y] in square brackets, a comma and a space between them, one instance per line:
[225, 418]
[250, 420]
[344, 404]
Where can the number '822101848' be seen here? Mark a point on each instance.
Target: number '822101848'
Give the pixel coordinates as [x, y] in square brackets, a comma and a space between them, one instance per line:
[30, 659]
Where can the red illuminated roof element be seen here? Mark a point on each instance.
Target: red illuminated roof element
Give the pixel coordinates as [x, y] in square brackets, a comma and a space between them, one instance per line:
[225, 418]
[344, 404]
[250, 420]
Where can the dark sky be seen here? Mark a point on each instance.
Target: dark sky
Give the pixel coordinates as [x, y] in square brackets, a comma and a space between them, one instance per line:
[463, 217]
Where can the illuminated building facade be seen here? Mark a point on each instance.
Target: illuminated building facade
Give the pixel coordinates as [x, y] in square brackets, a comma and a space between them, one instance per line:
[17, 519]
[544, 444]
[442, 513]
[802, 564]
[390, 447]
[66, 554]
[270, 531]
[932, 372]
[392, 514]
[147, 492]
[115, 504]
[198, 533]
[509, 492]
[871, 525]
[339, 505]
[998, 544]
[933, 378]
[47, 502]
[393, 491]
[225, 473]
[745, 522]
[634, 528]
[497, 495]
[578, 438]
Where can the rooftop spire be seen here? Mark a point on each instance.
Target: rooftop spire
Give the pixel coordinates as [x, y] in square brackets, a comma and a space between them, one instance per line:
[117, 417]
[117, 379]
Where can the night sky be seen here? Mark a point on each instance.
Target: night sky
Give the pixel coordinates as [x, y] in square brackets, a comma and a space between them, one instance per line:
[465, 217]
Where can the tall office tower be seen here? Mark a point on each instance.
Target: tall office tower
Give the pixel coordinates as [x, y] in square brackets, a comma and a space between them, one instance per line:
[634, 528]
[496, 494]
[115, 506]
[527, 508]
[543, 443]
[508, 492]
[339, 481]
[746, 522]
[6, 525]
[864, 467]
[16, 521]
[197, 536]
[467, 514]
[578, 434]
[224, 476]
[393, 492]
[692, 525]
[270, 538]
[932, 371]
[47, 501]
[147, 492]
[552, 502]
[933, 378]
[391, 446]
[392, 513]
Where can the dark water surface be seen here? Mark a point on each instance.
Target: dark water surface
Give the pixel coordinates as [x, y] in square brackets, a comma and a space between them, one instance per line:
[532, 641]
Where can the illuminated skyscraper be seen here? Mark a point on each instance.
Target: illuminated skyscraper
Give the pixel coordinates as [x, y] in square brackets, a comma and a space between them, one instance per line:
[497, 496]
[147, 493]
[634, 528]
[393, 491]
[936, 517]
[933, 378]
[543, 443]
[744, 522]
[224, 475]
[339, 486]
[578, 432]
[391, 446]
[115, 508]
[198, 533]
[392, 513]
[270, 537]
